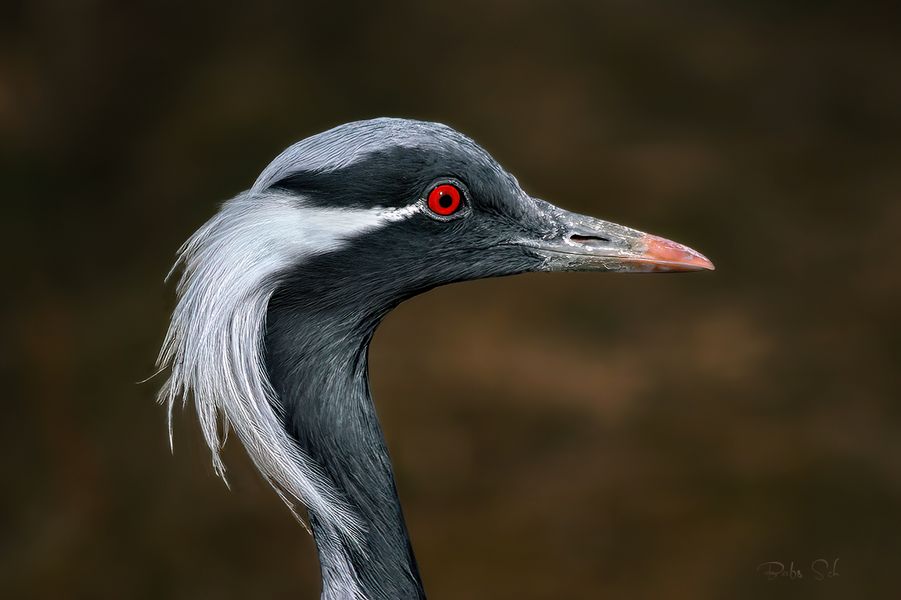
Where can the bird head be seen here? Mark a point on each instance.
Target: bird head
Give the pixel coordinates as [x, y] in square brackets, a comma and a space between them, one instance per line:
[398, 207]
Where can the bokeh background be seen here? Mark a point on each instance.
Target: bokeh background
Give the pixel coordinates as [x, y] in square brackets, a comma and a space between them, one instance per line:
[554, 436]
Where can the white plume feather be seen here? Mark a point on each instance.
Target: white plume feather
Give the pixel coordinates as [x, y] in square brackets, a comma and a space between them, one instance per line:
[214, 345]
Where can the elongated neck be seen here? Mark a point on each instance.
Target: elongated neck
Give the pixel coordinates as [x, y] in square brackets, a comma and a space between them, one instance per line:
[317, 363]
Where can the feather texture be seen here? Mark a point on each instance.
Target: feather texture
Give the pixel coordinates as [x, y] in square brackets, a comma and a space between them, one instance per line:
[214, 346]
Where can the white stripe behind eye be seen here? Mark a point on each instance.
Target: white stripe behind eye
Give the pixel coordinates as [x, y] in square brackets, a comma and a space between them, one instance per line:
[390, 215]
[311, 229]
[214, 345]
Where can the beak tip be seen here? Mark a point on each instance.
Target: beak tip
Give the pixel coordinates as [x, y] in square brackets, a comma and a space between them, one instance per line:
[703, 263]
[667, 255]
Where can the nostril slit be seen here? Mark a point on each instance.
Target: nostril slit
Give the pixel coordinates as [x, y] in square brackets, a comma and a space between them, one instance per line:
[587, 238]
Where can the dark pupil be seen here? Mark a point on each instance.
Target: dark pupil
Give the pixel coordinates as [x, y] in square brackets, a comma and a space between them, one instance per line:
[444, 201]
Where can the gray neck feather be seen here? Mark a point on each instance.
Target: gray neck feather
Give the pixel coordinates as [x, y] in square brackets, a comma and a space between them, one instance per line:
[316, 359]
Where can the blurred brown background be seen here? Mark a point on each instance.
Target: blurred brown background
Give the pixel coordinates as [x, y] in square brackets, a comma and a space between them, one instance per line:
[555, 436]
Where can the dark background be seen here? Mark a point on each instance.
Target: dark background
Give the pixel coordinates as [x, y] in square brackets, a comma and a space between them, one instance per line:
[554, 436]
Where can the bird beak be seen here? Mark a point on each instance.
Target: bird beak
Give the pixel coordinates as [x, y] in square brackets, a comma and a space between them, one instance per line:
[582, 243]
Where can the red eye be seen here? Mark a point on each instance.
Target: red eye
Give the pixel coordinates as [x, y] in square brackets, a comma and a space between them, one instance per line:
[444, 200]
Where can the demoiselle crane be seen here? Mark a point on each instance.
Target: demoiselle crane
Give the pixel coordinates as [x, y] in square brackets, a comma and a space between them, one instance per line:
[282, 290]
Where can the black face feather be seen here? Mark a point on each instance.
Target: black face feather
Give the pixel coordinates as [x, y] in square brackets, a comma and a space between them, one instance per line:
[419, 252]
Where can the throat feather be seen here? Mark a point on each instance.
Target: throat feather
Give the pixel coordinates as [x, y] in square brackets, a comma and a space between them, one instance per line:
[317, 362]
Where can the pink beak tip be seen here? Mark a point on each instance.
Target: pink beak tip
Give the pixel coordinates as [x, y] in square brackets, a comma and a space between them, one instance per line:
[667, 255]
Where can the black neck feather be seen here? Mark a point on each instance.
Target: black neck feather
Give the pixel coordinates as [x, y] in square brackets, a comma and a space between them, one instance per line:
[316, 352]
